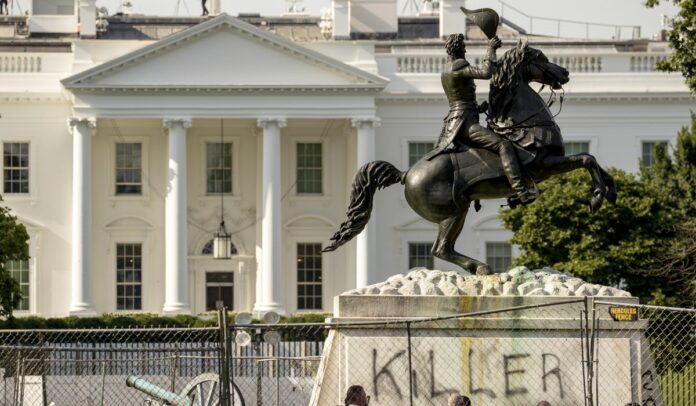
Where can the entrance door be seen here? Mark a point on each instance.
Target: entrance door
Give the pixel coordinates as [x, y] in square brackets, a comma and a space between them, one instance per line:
[219, 290]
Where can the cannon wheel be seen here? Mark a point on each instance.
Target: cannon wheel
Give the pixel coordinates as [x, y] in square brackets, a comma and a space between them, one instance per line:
[203, 391]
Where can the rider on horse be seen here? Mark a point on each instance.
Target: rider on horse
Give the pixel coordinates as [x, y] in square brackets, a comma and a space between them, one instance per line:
[462, 126]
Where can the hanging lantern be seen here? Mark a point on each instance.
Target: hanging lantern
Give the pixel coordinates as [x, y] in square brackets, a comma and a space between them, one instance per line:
[222, 243]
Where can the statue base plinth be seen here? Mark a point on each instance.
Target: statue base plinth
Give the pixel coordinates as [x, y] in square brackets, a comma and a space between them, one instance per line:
[504, 349]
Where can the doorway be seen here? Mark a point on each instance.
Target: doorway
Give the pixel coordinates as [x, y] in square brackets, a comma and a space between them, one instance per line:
[219, 290]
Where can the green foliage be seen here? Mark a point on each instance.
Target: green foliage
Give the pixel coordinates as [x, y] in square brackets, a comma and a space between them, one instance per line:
[13, 246]
[682, 40]
[608, 247]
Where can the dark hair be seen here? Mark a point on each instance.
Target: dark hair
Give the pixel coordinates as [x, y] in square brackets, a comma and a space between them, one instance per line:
[455, 45]
[352, 393]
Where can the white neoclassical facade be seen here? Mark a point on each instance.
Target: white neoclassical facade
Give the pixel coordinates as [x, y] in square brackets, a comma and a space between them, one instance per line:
[120, 156]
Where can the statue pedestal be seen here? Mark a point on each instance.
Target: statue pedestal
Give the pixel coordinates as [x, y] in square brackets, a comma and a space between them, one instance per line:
[508, 350]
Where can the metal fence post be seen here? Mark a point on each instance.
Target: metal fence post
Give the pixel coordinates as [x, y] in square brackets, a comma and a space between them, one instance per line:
[588, 333]
[224, 355]
[230, 358]
[410, 364]
[172, 370]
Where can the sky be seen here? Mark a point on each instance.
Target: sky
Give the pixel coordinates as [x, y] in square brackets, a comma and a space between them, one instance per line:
[622, 12]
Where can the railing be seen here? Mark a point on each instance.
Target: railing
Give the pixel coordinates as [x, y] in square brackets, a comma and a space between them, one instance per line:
[576, 63]
[20, 64]
[579, 63]
[646, 63]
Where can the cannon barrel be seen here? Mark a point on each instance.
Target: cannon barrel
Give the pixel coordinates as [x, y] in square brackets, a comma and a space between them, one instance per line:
[155, 391]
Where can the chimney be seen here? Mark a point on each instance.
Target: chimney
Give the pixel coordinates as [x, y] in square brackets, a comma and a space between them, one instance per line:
[452, 20]
[88, 18]
[215, 7]
[341, 19]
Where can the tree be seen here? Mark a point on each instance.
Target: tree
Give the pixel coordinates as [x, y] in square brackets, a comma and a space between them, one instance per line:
[614, 246]
[682, 40]
[675, 178]
[13, 246]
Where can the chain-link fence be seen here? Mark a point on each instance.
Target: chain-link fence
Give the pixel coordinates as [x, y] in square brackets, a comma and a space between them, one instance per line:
[568, 352]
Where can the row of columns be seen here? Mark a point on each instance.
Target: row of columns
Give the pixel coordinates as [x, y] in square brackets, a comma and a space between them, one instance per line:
[269, 271]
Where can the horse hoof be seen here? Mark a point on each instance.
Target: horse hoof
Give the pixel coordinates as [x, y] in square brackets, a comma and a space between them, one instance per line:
[611, 195]
[483, 270]
[595, 204]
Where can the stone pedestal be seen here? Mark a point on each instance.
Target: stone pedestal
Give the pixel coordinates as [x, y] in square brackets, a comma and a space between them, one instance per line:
[509, 350]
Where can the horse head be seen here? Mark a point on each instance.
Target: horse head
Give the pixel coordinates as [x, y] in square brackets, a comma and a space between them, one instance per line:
[516, 68]
[538, 68]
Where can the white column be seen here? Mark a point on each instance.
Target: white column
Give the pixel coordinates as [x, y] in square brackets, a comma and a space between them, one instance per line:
[366, 252]
[269, 280]
[81, 294]
[175, 212]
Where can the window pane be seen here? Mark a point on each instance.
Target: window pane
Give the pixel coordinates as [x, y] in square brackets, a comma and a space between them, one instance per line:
[309, 168]
[498, 256]
[16, 167]
[419, 255]
[19, 270]
[218, 167]
[574, 148]
[129, 276]
[129, 169]
[309, 276]
[416, 150]
[648, 156]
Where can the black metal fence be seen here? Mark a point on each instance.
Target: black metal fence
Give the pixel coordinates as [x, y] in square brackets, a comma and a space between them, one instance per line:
[576, 352]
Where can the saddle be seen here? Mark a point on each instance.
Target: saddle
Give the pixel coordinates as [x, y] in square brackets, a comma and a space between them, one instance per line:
[473, 165]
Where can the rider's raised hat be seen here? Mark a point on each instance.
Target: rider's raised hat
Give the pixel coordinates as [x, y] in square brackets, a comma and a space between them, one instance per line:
[486, 19]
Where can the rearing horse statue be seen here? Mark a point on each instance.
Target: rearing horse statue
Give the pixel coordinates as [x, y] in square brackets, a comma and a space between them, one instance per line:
[442, 189]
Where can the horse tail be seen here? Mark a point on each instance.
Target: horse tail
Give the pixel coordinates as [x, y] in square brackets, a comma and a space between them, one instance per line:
[369, 179]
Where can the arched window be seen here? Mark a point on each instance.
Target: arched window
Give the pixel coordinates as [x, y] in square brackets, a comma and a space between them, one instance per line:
[208, 248]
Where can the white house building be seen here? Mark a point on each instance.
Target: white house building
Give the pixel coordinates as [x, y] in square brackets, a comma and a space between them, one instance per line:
[122, 143]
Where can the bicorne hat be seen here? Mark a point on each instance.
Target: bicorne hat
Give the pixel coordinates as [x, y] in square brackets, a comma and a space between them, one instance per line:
[486, 19]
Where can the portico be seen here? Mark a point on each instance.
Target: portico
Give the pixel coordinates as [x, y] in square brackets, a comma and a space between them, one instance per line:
[288, 94]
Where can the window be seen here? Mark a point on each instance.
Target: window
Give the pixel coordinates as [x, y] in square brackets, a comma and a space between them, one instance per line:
[419, 255]
[129, 269]
[649, 151]
[498, 256]
[19, 270]
[218, 168]
[309, 168]
[416, 150]
[219, 289]
[129, 168]
[573, 148]
[309, 276]
[15, 158]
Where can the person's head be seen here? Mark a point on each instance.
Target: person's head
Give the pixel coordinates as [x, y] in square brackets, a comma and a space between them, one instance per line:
[456, 399]
[455, 46]
[355, 395]
[543, 403]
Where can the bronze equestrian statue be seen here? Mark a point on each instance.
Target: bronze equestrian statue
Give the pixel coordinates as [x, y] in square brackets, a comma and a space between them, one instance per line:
[472, 163]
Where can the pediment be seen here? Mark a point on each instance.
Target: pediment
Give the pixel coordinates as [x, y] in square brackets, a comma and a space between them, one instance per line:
[417, 224]
[488, 223]
[223, 53]
[309, 222]
[128, 223]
